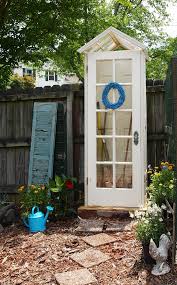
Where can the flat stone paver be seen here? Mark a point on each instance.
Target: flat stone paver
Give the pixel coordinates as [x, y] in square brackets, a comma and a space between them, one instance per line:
[90, 257]
[99, 239]
[76, 277]
[90, 226]
[118, 227]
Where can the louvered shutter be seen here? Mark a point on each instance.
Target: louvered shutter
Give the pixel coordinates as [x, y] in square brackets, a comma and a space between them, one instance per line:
[60, 164]
[43, 142]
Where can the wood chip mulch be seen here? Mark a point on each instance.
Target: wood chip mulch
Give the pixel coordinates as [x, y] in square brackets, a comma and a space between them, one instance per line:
[31, 259]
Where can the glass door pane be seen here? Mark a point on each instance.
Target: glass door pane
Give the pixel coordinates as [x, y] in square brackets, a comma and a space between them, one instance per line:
[104, 176]
[124, 176]
[114, 127]
[123, 70]
[104, 123]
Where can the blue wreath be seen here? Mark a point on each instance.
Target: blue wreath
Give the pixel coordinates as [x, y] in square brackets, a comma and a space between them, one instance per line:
[120, 101]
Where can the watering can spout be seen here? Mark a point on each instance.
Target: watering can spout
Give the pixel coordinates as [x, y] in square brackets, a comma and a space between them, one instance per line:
[49, 209]
[25, 222]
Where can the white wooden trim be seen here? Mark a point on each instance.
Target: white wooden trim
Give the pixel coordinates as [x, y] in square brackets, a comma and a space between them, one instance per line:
[143, 127]
[121, 83]
[91, 117]
[121, 110]
[126, 41]
[114, 131]
[136, 106]
[115, 136]
[86, 130]
[116, 162]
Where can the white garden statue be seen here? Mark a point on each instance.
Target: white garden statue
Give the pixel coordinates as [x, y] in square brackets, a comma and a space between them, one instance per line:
[160, 255]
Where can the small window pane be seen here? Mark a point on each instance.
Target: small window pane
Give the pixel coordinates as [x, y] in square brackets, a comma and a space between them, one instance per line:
[104, 176]
[104, 71]
[104, 149]
[124, 150]
[123, 123]
[29, 72]
[51, 75]
[112, 97]
[128, 98]
[123, 176]
[104, 123]
[123, 70]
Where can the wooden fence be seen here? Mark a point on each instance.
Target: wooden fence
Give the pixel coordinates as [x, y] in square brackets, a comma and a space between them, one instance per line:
[16, 112]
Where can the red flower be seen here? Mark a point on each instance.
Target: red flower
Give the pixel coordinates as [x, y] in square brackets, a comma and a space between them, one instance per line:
[69, 184]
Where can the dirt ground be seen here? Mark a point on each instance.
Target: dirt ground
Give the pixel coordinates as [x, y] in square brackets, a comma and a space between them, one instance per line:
[31, 259]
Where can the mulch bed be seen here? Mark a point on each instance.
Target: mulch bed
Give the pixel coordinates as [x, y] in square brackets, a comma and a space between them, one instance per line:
[31, 259]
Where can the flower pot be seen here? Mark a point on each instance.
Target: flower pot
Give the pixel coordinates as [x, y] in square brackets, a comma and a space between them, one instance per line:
[146, 255]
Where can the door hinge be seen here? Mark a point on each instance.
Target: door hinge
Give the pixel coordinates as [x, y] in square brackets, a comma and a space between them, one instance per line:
[87, 180]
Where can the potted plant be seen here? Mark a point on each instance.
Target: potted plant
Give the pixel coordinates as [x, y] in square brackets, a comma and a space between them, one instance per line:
[150, 225]
[33, 195]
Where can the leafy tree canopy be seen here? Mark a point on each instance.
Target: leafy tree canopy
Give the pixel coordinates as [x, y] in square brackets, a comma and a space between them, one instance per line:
[32, 31]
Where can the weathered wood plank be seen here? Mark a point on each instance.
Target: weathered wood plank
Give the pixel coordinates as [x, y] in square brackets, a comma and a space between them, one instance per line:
[14, 144]
[3, 166]
[3, 120]
[20, 166]
[26, 164]
[11, 166]
[9, 189]
[70, 134]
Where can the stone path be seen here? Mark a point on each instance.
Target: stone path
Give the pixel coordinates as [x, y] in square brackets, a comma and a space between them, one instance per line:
[76, 277]
[91, 256]
[99, 239]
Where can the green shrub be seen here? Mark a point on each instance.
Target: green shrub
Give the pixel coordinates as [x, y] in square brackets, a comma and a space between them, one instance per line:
[150, 224]
[19, 82]
[162, 184]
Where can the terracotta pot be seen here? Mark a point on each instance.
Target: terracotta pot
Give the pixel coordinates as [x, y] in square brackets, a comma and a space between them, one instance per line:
[146, 256]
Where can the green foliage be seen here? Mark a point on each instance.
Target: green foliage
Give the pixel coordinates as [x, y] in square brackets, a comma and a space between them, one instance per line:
[150, 228]
[33, 195]
[162, 185]
[22, 82]
[150, 224]
[159, 58]
[33, 31]
[5, 72]
[62, 191]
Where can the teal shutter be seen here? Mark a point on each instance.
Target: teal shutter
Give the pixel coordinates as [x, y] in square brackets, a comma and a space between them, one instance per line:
[60, 164]
[42, 143]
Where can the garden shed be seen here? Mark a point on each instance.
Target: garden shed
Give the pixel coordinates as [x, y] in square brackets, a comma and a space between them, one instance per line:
[115, 120]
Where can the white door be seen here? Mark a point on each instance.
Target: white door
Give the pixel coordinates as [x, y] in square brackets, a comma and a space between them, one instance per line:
[113, 135]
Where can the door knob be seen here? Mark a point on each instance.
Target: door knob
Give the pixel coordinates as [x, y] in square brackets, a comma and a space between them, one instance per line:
[136, 138]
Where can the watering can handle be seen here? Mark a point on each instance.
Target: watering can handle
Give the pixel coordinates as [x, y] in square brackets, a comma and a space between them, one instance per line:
[33, 209]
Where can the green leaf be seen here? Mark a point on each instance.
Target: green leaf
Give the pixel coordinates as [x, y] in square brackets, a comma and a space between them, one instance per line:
[55, 189]
[52, 183]
[59, 181]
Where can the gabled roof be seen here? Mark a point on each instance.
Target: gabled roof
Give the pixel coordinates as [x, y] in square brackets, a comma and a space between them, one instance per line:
[112, 39]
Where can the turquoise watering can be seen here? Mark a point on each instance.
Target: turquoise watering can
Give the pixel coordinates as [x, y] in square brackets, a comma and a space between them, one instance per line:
[37, 220]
